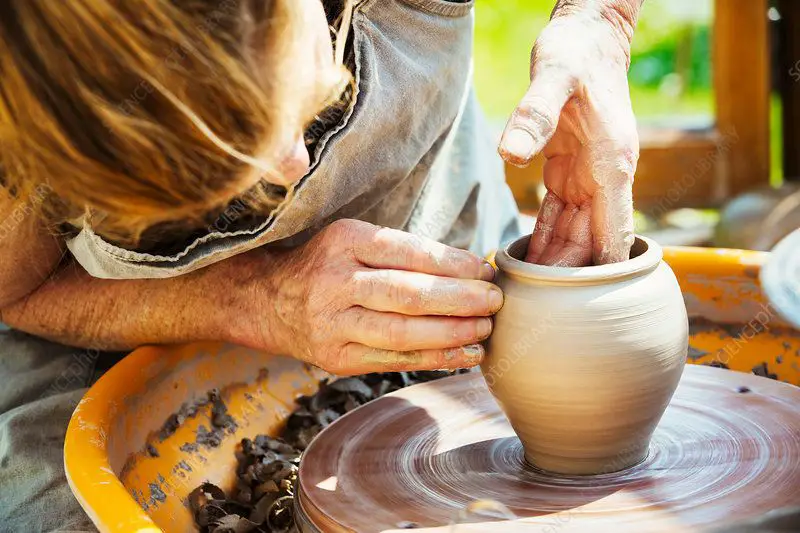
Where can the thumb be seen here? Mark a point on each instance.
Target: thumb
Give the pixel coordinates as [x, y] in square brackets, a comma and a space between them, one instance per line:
[534, 121]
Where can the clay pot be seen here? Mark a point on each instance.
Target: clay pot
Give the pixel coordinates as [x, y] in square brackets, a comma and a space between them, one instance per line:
[583, 361]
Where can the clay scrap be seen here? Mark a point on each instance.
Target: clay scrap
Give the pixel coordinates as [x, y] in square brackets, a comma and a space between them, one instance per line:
[263, 499]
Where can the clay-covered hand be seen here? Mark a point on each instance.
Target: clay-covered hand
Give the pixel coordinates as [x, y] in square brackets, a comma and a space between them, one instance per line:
[359, 298]
[578, 112]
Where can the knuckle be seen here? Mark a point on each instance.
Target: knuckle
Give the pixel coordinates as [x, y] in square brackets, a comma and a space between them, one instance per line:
[471, 330]
[454, 293]
[342, 225]
[363, 286]
[398, 295]
[342, 233]
[386, 287]
[535, 108]
[409, 255]
[381, 288]
[334, 231]
[473, 264]
[463, 261]
[396, 332]
[329, 242]
[339, 362]
[537, 113]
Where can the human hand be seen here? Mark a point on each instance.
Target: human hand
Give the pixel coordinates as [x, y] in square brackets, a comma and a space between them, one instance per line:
[358, 298]
[578, 112]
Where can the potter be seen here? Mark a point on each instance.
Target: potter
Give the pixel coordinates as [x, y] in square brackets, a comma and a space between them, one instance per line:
[585, 385]
[270, 186]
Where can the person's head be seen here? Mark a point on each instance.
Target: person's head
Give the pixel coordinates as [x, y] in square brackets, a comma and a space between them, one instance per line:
[150, 111]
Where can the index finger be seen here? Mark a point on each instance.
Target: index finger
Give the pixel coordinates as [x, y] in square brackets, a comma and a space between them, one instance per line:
[360, 359]
[612, 223]
[385, 248]
[613, 169]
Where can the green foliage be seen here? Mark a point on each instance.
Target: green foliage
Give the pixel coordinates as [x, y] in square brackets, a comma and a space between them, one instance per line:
[505, 32]
[664, 41]
[650, 66]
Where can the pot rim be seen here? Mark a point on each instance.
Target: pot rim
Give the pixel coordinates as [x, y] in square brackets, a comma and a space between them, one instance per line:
[646, 260]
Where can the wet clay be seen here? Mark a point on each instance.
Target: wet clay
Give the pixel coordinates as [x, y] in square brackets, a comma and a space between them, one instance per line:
[419, 457]
[584, 361]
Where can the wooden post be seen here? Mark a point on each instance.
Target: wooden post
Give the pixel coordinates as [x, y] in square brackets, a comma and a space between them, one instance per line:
[742, 83]
[788, 79]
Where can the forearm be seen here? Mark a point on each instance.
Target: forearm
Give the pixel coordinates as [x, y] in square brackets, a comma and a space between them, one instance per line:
[76, 309]
[31, 253]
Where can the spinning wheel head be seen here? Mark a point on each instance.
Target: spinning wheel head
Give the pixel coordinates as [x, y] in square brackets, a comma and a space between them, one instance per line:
[422, 455]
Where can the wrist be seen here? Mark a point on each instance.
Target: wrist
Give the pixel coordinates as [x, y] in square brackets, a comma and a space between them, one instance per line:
[623, 15]
[244, 316]
[620, 15]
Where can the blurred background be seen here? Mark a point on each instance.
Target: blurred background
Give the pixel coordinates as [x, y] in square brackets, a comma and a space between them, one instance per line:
[709, 80]
[670, 73]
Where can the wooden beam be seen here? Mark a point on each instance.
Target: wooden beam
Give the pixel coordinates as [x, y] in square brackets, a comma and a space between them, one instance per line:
[742, 87]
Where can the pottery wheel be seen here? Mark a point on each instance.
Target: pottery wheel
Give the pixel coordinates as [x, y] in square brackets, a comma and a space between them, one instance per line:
[727, 450]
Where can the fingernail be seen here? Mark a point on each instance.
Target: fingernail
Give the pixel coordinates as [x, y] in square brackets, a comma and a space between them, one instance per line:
[473, 354]
[519, 143]
[485, 328]
[487, 271]
[495, 299]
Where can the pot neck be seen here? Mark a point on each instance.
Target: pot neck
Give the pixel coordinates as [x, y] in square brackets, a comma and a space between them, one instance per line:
[646, 255]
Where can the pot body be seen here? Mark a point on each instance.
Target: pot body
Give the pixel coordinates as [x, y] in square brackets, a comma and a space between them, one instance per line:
[584, 369]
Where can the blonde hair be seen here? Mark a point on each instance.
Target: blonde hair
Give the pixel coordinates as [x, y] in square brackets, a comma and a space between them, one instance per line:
[146, 111]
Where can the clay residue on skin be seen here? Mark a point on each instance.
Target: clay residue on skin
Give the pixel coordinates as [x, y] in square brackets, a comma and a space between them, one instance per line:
[473, 354]
[448, 294]
[465, 356]
[469, 356]
[391, 359]
[612, 228]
